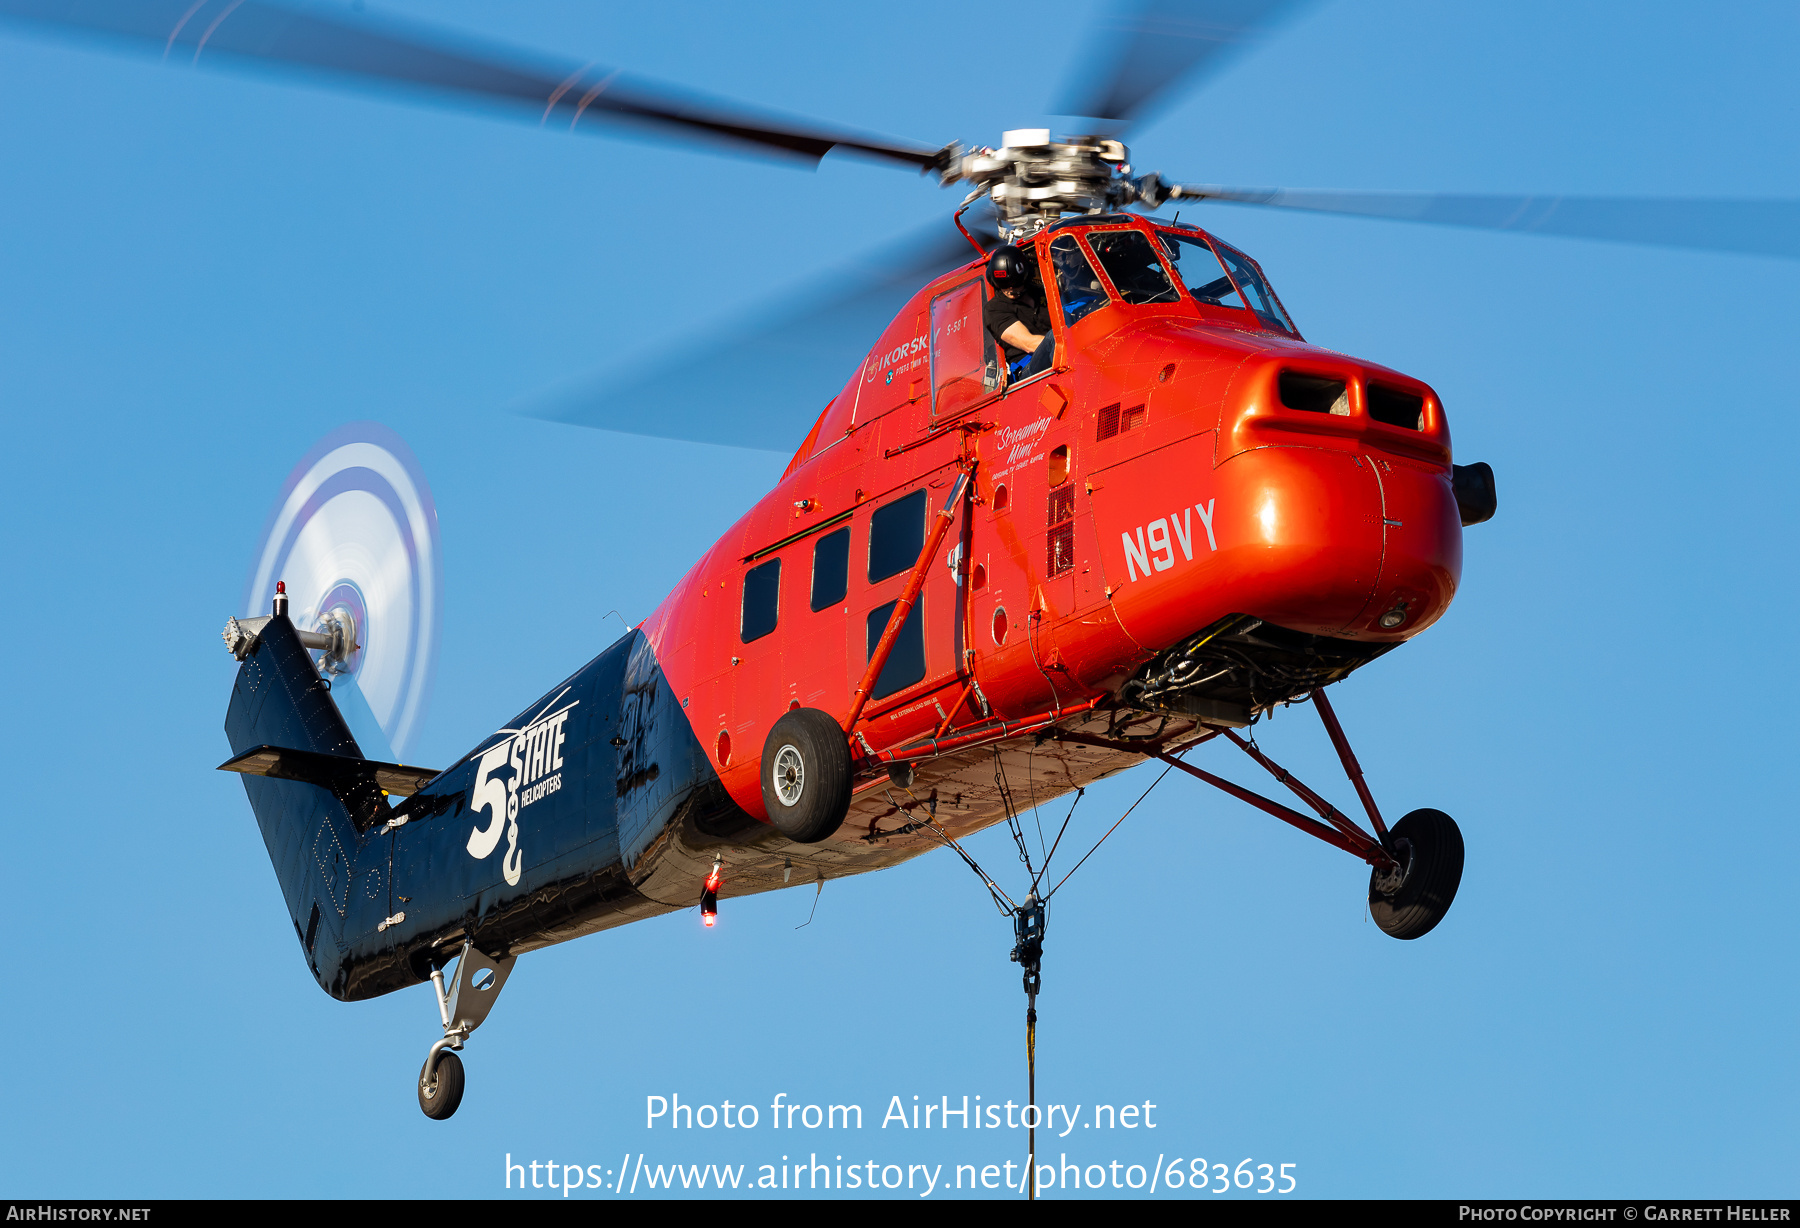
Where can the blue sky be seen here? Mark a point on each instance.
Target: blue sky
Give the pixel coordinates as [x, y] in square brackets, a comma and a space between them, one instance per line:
[202, 272]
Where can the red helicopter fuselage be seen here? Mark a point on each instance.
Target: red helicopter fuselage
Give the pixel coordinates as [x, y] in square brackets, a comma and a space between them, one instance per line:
[1181, 464]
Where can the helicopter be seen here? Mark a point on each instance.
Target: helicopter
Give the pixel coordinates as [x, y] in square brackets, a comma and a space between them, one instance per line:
[1190, 516]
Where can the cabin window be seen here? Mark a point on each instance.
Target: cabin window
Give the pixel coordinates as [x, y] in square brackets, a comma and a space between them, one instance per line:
[1201, 271]
[964, 364]
[906, 663]
[896, 536]
[831, 569]
[1057, 465]
[1076, 283]
[1131, 265]
[762, 599]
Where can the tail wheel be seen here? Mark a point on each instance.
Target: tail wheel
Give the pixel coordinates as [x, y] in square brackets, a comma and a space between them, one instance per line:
[806, 775]
[1410, 901]
[442, 1091]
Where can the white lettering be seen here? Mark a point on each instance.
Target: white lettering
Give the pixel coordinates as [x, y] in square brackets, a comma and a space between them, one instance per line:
[523, 768]
[1011, 437]
[1184, 532]
[1206, 515]
[1136, 554]
[1161, 552]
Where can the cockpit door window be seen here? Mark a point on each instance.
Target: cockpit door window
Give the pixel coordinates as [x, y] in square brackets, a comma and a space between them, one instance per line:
[964, 366]
[1131, 265]
[1076, 283]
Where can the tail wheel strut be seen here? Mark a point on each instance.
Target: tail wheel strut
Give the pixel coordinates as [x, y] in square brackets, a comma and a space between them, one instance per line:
[462, 1008]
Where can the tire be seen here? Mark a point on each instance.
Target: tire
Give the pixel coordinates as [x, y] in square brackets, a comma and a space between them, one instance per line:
[806, 775]
[445, 1091]
[1431, 850]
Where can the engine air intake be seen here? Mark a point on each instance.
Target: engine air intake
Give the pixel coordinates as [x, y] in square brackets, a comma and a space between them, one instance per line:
[1396, 408]
[1316, 394]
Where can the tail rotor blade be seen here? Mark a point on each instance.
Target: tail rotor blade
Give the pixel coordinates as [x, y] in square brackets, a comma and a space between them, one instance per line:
[354, 536]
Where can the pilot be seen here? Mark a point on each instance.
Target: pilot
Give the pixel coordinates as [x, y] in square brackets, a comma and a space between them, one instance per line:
[1016, 316]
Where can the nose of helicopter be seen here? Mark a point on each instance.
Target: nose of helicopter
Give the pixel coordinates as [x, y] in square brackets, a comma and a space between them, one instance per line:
[1350, 542]
[1344, 471]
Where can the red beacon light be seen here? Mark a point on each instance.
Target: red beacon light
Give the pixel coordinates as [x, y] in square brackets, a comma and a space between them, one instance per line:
[709, 896]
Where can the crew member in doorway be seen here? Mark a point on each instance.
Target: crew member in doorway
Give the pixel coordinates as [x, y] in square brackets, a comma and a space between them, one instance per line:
[1016, 316]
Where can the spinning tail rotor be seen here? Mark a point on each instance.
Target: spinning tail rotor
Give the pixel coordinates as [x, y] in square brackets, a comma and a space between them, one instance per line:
[354, 536]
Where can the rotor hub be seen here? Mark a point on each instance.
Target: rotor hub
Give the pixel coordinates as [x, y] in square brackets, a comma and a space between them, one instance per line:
[1034, 181]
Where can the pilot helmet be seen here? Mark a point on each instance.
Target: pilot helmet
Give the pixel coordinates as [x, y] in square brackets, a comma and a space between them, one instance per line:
[1008, 267]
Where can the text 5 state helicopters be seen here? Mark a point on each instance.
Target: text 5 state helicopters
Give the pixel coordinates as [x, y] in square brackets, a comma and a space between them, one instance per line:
[1169, 517]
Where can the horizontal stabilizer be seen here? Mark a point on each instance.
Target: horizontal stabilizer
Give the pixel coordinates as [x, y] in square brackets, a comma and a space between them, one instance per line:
[358, 783]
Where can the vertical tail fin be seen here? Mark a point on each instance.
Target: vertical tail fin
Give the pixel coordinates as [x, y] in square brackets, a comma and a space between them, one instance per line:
[279, 700]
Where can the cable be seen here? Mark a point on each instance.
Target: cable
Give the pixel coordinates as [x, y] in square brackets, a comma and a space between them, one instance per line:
[1079, 794]
[1031, 1083]
[1012, 813]
[1002, 901]
[1112, 829]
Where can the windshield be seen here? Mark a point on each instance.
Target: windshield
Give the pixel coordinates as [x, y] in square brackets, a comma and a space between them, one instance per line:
[1076, 284]
[1131, 264]
[1250, 280]
[1219, 275]
[1201, 271]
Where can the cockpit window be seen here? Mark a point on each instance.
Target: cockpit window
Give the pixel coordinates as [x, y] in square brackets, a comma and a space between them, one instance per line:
[1250, 280]
[1201, 271]
[1219, 275]
[1131, 265]
[1076, 283]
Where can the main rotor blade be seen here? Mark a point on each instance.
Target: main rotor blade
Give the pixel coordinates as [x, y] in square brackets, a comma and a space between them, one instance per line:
[798, 356]
[1146, 47]
[257, 32]
[1754, 227]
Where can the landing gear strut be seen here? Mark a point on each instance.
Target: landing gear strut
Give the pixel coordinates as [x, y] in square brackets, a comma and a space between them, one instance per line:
[463, 1008]
[1415, 868]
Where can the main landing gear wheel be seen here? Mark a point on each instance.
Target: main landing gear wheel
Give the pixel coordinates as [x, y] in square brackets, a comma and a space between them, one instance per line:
[1410, 901]
[441, 1090]
[806, 775]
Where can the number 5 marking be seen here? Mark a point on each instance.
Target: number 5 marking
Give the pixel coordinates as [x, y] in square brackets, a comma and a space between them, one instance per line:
[489, 794]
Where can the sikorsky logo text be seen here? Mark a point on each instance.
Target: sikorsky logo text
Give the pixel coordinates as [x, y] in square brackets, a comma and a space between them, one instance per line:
[1157, 550]
[901, 352]
[523, 768]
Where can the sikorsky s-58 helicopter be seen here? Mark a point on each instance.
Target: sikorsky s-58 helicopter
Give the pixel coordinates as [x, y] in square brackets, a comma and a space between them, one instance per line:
[1173, 517]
